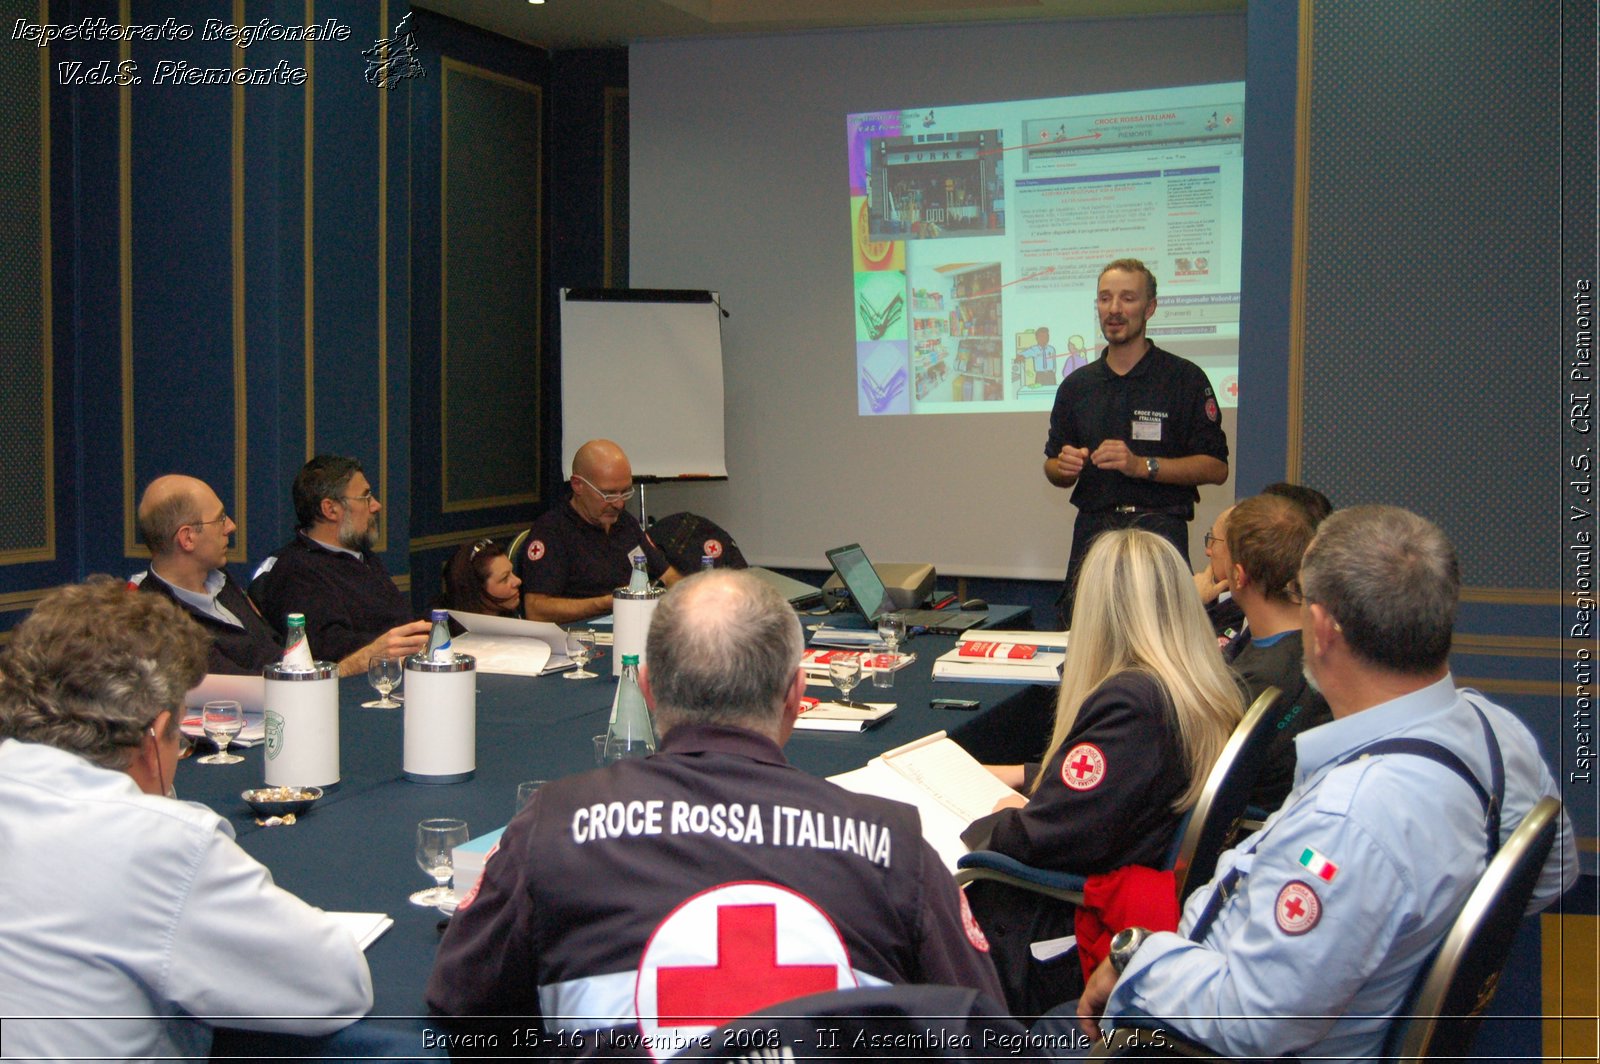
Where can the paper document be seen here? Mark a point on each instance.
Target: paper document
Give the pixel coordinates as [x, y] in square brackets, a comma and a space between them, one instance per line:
[946, 784]
[365, 928]
[831, 716]
[510, 645]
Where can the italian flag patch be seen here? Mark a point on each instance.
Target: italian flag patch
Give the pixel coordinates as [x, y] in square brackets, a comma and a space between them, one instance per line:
[1319, 865]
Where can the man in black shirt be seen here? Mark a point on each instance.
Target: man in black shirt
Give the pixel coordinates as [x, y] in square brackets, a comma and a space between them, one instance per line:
[1265, 538]
[664, 895]
[1134, 432]
[578, 553]
[329, 573]
[186, 528]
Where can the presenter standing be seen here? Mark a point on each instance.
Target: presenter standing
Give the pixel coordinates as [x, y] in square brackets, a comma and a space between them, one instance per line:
[1135, 432]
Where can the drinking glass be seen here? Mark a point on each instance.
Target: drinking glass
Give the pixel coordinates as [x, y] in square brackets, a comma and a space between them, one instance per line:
[221, 722]
[883, 658]
[384, 676]
[525, 792]
[892, 630]
[436, 843]
[845, 671]
[580, 644]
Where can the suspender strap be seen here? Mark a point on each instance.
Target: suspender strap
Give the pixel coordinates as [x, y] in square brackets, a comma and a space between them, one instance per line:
[1491, 801]
[1208, 915]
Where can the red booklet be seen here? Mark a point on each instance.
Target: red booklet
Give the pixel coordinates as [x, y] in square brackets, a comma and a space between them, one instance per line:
[977, 648]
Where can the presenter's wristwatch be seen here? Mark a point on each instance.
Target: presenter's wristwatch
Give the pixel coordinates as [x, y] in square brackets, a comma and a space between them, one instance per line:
[1124, 944]
[1152, 466]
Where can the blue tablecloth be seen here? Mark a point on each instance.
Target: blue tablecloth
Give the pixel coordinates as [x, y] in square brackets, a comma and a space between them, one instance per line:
[354, 850]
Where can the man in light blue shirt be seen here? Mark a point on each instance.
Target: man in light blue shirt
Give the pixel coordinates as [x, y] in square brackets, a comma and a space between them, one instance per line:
[130, 921]
[1315, 928]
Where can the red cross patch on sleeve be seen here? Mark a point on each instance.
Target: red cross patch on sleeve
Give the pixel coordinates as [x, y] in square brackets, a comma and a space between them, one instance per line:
[712, 548]
[536, 550]
[1084, 767]
[1298, 908]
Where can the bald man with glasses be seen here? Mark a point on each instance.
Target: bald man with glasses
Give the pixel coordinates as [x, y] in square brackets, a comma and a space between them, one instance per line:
[184, 524]
[578, 553]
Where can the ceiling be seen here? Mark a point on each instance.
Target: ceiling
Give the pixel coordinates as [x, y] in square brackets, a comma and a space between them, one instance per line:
[564, 24]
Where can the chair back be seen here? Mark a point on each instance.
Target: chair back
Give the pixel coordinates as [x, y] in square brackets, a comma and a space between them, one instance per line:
[685, 538]
[1458, 983]
[517, 543]
[1213, 821]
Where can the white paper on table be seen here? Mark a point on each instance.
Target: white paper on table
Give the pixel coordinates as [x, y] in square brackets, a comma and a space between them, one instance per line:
[365, 928]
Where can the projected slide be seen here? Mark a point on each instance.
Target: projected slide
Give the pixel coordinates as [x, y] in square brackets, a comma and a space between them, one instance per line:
[978, 233]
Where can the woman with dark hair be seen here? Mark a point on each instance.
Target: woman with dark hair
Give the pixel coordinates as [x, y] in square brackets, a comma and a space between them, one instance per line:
[480, 579]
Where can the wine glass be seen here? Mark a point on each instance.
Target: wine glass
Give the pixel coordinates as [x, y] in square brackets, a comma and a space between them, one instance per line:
[580, 645]
[845, 671]
[384, 676]
[436, 843]
[221, 722]
[892, 630]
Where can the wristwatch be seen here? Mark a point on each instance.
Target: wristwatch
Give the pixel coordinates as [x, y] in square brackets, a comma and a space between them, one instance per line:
[1152, 466]
[1123, 945]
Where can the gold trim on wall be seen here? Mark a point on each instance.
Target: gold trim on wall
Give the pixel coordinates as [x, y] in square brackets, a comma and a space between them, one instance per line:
[131, 547]
[308, 338]
[447, 65]
[1499, 686]
[23, 600]
[382, 543]
[1297, 285]
[1511, 646]
[241, 405]
[607, 187]
[45, 552]
[1512, 596]
[455, 539]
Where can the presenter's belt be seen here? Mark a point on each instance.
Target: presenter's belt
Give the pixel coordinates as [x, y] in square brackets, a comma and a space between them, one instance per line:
[1186, 512]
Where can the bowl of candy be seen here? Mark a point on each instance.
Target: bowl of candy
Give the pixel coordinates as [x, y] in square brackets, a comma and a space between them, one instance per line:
[281, 801]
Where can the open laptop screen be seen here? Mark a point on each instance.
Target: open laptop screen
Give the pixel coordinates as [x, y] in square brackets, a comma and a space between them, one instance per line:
[860, 579]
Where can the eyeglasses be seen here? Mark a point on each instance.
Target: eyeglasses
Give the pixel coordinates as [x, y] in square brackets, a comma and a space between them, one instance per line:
[1210, 539]
[214, 521]
[608, 497]
[366, 497]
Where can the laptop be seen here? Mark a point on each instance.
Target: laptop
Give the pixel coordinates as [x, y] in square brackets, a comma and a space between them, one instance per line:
[799, 594]
[872, 598]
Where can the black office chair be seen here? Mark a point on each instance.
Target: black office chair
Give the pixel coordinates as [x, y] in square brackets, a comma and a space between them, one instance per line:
[921, 1022]
[1205, 832]
[1453, 989]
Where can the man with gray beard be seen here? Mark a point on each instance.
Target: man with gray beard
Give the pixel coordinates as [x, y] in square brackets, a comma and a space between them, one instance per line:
[328, 572]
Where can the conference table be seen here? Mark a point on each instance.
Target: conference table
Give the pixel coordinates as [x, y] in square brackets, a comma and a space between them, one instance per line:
[354, 850]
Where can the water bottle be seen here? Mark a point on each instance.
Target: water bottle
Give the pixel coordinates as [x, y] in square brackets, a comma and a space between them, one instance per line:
[639, 582]
[439, 638]
[631, 733]
[296, 650]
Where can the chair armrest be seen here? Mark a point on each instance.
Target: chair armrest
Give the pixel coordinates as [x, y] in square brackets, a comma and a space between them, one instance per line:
[997, 867]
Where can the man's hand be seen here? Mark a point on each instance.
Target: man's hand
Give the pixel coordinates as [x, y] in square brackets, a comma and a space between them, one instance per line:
[1209, 586]
[1062, 470]
[1114, 456]
[398, 642]
[1010, 801]
[1092, 1003]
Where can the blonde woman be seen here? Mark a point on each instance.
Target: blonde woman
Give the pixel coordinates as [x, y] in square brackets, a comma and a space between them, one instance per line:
[1146, 705]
